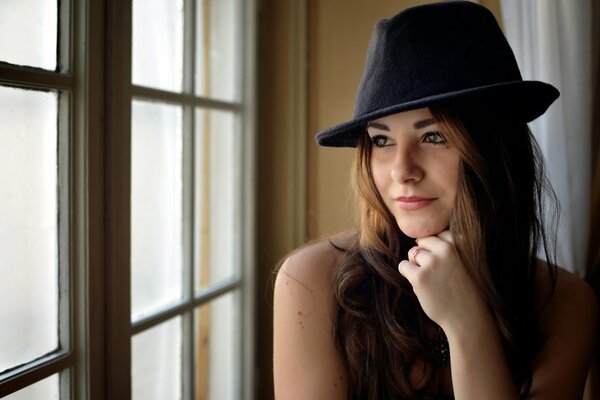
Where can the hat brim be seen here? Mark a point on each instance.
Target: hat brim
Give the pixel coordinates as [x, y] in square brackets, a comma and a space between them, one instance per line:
[527, 99]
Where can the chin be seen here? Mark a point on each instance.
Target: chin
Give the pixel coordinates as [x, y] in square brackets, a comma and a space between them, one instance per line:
[418, 231]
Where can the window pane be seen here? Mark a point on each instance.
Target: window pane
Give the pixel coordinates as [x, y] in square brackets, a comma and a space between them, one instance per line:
[217, 218]
[158, 44]
[46, 389]
[217, 358]
[156, 362]
[217, 50]
[28, 32]
[29, 227]
[156, 206]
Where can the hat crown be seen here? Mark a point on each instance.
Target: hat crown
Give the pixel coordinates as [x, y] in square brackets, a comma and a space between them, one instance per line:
[433, 49]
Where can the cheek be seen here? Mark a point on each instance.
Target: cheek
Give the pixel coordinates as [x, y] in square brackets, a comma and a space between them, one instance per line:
[379, 176]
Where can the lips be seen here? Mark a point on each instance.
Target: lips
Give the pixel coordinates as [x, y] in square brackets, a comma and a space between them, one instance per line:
[413, 203]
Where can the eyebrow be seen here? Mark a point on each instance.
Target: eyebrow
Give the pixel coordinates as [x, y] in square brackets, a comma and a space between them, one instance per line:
[423, 123]
[417, 125]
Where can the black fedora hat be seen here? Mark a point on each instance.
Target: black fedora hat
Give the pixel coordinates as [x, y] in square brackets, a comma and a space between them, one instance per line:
[437, 54]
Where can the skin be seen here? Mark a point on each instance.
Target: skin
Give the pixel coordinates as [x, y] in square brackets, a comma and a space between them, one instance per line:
[413, 162]
[411, 158]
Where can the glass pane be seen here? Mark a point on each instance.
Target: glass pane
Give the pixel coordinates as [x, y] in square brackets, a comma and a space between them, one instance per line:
[29, 227]
[217, 357]
[158, 44]
[156, 362]
[46, 389]
[217, 49]
[217, 222]
[156, 207]
[28, 32]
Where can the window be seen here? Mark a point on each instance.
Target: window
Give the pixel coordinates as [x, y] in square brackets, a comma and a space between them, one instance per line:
[35, 104]
[126, 199]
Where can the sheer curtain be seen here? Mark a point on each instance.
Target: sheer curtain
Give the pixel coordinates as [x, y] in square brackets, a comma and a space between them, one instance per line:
[552, 42]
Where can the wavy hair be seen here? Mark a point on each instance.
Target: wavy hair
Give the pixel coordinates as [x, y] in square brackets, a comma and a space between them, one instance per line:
[497, 223]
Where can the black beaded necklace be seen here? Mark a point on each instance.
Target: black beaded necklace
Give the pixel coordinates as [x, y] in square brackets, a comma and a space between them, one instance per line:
[440, 349]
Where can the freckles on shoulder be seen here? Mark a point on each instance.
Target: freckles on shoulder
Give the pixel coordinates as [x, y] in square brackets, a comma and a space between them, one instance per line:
[306, 279]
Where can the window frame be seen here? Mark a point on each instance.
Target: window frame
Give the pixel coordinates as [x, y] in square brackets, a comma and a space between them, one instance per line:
[96, 75]
[62, 82]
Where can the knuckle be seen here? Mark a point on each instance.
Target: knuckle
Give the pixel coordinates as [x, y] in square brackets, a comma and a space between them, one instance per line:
[446, 250]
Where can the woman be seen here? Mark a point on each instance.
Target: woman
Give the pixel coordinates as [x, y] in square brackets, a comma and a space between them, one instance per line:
[438, 293]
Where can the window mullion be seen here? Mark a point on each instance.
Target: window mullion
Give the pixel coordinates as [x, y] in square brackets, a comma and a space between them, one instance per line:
[248, 208]
[33, 78]
[188, 351]
[65, 268]
[88, 199]
[118, 195]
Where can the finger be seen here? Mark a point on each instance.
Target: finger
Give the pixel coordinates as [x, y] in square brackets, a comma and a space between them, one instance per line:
[412, 253]
[419, 256]
[431, 243]
[447, 236]
[437, 247]
[408, 270]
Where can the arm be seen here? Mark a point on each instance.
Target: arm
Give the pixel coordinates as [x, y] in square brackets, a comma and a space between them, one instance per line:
[451, 299]
[479, 367]
[306, 363]
[478, 364]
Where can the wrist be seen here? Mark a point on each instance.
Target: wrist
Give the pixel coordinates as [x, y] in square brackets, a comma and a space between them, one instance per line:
[472, 329]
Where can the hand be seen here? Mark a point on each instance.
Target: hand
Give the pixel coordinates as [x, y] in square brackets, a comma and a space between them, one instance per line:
[440, 281]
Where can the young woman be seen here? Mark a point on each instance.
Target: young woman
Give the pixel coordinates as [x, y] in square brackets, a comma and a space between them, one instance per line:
[438, 292]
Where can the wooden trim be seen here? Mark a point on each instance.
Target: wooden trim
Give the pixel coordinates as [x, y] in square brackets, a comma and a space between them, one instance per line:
[187, 325]
[248, 202]
[88, 200]
[33, 372]
[204, 297]
[146, 93]
[299, 118]
[312, 118]
[202, 314]
[118, 194]
[282, 165]
[33, 78]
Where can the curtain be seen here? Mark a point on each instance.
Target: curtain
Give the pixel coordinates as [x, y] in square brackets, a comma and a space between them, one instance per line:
[552, 41]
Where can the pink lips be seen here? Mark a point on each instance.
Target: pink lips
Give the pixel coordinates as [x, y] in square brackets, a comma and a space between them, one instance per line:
[413, 203]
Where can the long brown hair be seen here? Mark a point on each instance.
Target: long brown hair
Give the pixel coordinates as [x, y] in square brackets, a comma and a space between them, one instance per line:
[498, 227]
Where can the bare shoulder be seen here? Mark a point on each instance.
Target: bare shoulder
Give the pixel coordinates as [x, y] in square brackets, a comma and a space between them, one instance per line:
[313, 265]
[571, 299]
[306, 362]
[568, 322]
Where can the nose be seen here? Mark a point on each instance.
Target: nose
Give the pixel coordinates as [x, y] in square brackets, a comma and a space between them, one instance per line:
[406, 168]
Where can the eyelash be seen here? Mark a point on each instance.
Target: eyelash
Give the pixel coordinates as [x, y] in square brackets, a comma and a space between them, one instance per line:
[442, 139]
[377, 140]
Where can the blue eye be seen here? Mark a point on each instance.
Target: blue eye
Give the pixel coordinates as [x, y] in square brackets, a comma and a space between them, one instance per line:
[381, 141]
[434, 138]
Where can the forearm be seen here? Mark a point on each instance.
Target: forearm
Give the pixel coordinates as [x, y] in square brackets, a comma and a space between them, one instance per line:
[479, 366]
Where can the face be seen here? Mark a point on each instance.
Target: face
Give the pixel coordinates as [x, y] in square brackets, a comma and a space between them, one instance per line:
[415, 171]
